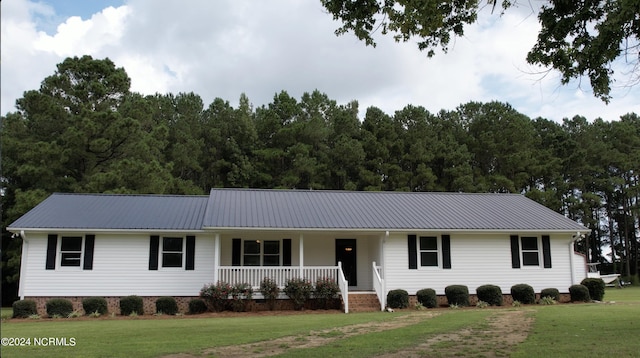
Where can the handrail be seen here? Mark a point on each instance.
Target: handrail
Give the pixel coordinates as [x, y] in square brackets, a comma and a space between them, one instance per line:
[378, 286]
[344, 287]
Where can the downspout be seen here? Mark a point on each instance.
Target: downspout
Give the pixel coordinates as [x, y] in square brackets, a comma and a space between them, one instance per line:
[216, 259]
[23, 264]
[384, 270]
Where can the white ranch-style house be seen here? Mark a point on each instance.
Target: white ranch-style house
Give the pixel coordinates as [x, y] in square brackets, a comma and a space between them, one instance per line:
[82, 245]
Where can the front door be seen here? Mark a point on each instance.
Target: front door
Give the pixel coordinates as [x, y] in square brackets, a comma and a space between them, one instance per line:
[346, 253]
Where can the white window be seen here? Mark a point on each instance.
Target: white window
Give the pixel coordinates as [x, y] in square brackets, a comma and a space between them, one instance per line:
[530, 251]
[70, 251]
[172, 251]
[429, 251]
[261, 253]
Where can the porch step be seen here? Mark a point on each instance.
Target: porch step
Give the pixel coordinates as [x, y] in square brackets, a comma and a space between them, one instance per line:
[363, 302]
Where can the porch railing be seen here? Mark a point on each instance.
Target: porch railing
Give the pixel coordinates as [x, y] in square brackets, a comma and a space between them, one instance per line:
[378, 285]
[254, 275]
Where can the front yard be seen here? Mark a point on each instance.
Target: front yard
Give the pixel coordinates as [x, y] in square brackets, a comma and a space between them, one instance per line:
[594, 329]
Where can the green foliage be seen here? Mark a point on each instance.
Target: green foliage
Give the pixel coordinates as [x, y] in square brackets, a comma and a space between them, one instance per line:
[166, 305]
[548, 300]
[24, 308]
[299, 291]
[197, 306]
[241, 294]
[595, 286]
[325, 291]
[523, 293]
[270, 291]
[491, 294]
[95, 304]
[579, 293]
[550, 292]
[131, 305]
[59, 307]
[427, 297]
[457, 295]
[398, 299]
[216, 296]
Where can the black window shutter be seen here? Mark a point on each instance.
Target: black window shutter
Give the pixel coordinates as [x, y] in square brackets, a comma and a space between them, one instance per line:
[52, 247]
[286, 252]
[89, 242]
[546, 251]
[191, 253]
[446, 251]
[236, 251]
[413, 252]
[154, 245]
[515, 252]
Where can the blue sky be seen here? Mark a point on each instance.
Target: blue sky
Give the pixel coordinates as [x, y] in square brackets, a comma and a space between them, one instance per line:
[224, 48]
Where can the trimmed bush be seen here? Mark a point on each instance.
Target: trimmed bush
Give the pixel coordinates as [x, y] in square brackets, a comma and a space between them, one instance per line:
[325, 292]
[550, 292]
[523, 293]
[197, 305]
[299, 291]
[241, 294]
[457, 295]
[24, 309]
[398, 299]
[59, 307]
[490, 294]
[427, 297]
[579, 293]
[166, 305]
[95, 304]
[131, 304]
[595, 287]
[270, 291]
[216, 296]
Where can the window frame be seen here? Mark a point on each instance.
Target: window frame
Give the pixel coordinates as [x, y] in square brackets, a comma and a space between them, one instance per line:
[162, 252]
[62, 252]
[437, 251]
[524, 252]
[261, 253]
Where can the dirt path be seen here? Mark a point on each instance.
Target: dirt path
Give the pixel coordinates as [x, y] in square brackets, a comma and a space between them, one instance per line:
[495, 337]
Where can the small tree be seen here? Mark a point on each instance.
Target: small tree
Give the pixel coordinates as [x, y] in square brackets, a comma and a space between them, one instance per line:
[325, 291]
[216, 296]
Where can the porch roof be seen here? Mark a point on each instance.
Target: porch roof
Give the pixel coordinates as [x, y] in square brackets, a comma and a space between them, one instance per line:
[350, 210]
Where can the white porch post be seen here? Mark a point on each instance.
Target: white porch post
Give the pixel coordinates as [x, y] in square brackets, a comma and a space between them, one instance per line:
[216, 259]
[384, 267]
[301, 255]
[23, 265]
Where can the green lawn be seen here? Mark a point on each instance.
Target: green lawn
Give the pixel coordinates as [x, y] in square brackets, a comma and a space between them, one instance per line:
[568, 330]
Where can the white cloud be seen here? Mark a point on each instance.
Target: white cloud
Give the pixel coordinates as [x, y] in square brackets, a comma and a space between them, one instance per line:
[224, 48]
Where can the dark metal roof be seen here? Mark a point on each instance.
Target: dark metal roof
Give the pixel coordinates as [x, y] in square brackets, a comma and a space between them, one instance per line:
[293, 209]
[115, 212]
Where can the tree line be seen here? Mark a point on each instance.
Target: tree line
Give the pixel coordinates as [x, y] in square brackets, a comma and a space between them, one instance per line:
[85, 131]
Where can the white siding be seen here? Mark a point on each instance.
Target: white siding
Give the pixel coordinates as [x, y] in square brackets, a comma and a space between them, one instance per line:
[120, 268]
[477, 260]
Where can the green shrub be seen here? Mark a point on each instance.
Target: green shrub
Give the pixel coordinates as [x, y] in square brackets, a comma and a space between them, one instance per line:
[550, 292]
[241, 294]
[270, 291]
[579, 293]
[197, 306]
[166, 305]
[325, 292]
[547, 300]
[457, 295]
[131, 304]
[398, 299]
[59, 307]
[24, 309]
[427, 297]
[95, 304]
[299, 291]
[491, 294]
[523, 293]
[216, 296]
[595, 287]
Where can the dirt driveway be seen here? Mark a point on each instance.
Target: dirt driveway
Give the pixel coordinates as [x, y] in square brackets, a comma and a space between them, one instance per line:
[497, 336]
